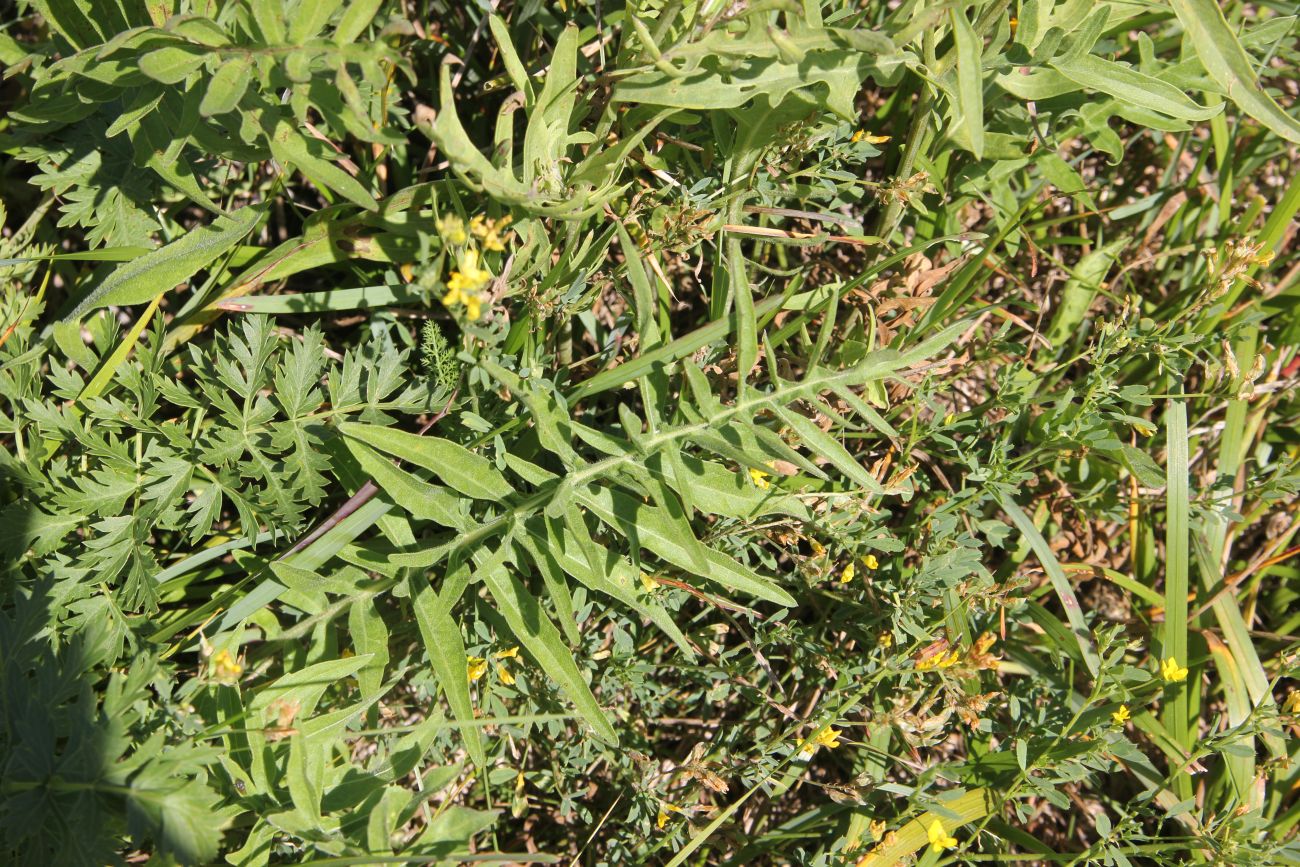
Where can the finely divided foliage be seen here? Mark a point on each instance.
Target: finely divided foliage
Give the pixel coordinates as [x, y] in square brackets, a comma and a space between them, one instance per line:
[710, 432]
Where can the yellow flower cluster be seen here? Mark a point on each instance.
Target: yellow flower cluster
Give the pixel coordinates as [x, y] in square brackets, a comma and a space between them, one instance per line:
[939, 661]
[489, 232]
[469, 277]
[226, 668]
[849, 571]
[463, 285]
[452, 230]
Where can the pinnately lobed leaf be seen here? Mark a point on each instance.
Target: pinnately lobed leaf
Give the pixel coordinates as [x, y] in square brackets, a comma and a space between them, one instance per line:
[167, 267]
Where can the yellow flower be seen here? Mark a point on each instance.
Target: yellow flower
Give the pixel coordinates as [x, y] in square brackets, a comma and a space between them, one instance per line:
[470, 277]
[648, 583]
[1120, 716]
[462, 286]
[665, 812]
[939, 839]
[847, 575]
[886, 639]
[818, 548]
[760, 479]
[1292, 702]
[828, 737]
[477, 668]
[863, 135]
[940, 660]
[452, 230]
[503, 671]
[871, 562]
[489, 231]
[1172, 672]
[226, 668]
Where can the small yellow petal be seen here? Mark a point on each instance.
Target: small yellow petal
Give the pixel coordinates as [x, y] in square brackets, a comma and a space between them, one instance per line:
[477, 668]
[871, 562]
[939, 838]
[1172, 672]
[760, 479]
[828, 737]
[1120, 716]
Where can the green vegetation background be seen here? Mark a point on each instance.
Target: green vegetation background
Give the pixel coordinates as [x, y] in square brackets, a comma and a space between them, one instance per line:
[663, 432]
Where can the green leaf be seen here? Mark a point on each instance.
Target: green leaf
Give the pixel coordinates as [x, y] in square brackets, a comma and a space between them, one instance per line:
[970, 80]
[519, 76]
[524, 615]
[473, 475]
[825, 446]
[421, 499]
[1229, 65]
[167, 267]
[369, 638]
[290, 146]
[577, 554]
[446, 650]
[953, 812]
[356, 17]
[181, 815]
[306, 685]
[1060, 583]
[69, 19]
[309, 18]
[1177, 559]
[719, 491]
[172, 64]
[647, 526]
[836, 75]
[1133, 87]
[226, 88]
[1086, 279]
